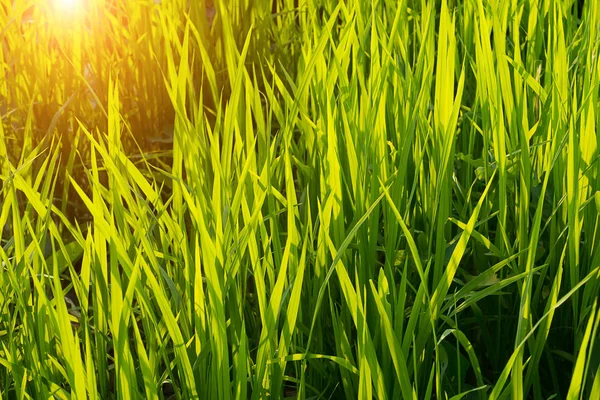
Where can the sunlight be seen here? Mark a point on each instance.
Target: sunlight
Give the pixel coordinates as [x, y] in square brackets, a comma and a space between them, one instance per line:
[67, 6]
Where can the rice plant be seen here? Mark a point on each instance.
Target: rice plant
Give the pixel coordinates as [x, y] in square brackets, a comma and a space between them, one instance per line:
[353, 199]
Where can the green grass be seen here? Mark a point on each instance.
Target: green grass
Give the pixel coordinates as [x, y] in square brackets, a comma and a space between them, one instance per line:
[319, 199]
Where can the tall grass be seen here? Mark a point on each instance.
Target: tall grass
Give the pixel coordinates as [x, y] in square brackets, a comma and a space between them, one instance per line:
[305, 199]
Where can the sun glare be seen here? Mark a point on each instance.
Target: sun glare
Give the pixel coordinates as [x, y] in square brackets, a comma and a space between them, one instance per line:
[67, 5]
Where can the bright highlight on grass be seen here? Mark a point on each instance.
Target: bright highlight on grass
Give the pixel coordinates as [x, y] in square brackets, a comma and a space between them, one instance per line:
[304, 200]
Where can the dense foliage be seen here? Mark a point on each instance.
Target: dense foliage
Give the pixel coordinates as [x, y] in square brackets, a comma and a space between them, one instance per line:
[304, 199]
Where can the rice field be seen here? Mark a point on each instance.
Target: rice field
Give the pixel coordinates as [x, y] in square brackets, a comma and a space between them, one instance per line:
[301, 199]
